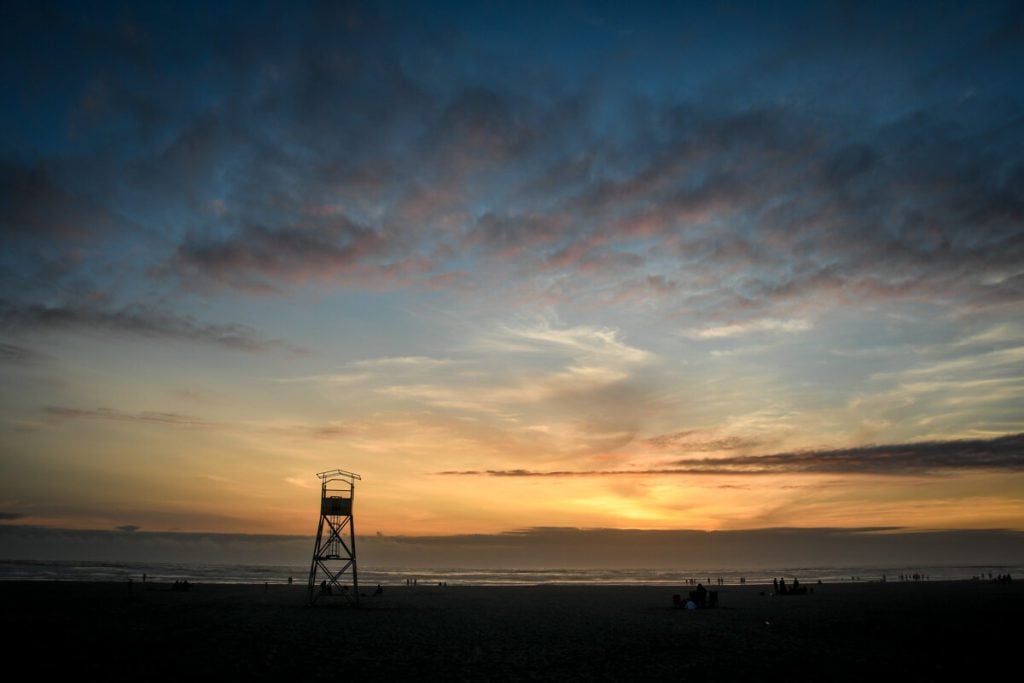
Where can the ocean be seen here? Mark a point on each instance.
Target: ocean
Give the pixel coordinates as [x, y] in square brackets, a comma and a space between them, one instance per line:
[69, 570]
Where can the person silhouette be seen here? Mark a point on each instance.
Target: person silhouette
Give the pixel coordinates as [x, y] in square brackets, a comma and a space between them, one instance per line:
[700, 595]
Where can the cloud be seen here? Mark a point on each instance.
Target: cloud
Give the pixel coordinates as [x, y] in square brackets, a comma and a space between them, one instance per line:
[403, 362]
[347, 148]
[1004, 453]
[380, 369]
[563, 388]
[693, 440]
[138, 319]
[332, 378]
[331, 431]
[509, 236]
[128, 528]
[774, 232]
[945, 388]
[1001, 453]
[260, 258]
[10, 516]
[18, 355]
[749, 327]
[583, 342]
[172, 419]
[35, 206]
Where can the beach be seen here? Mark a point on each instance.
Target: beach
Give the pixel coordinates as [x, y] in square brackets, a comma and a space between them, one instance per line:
[910, 631]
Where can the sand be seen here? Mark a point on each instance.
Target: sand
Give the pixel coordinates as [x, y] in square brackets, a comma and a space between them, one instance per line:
[842, 632]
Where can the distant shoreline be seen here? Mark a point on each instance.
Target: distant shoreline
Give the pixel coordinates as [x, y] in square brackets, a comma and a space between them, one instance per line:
[241, 573]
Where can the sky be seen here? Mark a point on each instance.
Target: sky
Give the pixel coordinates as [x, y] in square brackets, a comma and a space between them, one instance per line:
[586, 265]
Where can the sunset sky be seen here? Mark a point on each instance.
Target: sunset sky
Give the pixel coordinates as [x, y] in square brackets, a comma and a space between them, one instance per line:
[605, 265]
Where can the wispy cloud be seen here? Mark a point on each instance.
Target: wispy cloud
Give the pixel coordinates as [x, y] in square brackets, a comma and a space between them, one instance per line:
[387, 368]
[331, 378]
[137, 319]
[149, 417]
[749, 327]
[403, 362]
[565, 388]
[18, 355]
[579, 341]
[696, 441]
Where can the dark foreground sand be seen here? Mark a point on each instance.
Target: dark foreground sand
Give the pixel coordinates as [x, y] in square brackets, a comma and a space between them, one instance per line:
[842, 632]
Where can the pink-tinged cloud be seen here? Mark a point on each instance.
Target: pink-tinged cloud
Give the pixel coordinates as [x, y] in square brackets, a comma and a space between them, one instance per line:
[339, 252]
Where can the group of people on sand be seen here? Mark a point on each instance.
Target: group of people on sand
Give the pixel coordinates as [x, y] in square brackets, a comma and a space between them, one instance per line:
[328, 589]
[181, 586]
[699, 599]
[794, 589]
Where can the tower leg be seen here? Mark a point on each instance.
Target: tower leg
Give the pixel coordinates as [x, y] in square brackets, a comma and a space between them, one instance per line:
[312, 566]
[355, 574]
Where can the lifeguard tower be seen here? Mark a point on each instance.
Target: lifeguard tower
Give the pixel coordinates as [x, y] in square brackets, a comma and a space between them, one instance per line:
[333, 554]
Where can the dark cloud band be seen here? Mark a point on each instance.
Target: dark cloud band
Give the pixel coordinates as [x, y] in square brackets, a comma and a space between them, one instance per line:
[1002, 453]
[138, 319]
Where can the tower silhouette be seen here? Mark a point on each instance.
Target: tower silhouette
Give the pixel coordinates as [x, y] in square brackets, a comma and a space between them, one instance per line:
[333, 555]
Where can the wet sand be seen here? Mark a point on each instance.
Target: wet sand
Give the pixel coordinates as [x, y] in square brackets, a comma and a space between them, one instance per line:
[903, 631]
